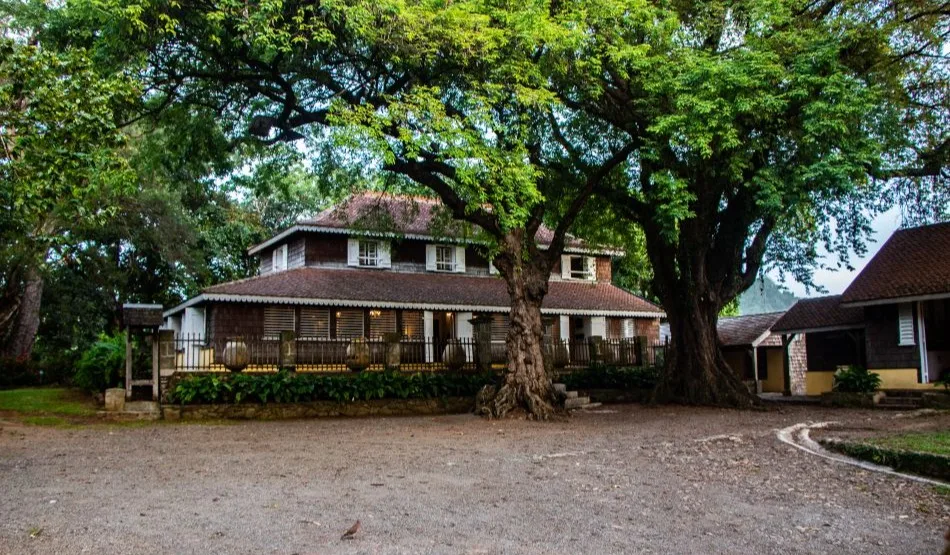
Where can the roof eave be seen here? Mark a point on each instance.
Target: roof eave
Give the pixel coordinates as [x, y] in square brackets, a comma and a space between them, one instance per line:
[896, 300]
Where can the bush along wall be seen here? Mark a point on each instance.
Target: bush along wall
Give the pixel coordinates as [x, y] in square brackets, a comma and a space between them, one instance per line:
[288, 387]
[607, 377]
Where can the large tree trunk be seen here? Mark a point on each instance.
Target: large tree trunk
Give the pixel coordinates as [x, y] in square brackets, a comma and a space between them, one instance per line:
[696, 372]
[527, 386]
[23, 317]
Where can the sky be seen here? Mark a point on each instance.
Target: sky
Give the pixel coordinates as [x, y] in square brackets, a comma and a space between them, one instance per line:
[837, 280]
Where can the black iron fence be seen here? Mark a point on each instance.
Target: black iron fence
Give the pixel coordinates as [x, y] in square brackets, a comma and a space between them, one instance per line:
[195, 352]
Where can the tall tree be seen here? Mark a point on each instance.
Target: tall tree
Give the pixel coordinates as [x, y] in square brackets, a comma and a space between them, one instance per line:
[443, 94]
[764, 128]
[59, 164]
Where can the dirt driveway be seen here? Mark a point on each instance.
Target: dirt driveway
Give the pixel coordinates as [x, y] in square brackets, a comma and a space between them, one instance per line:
[631, 480]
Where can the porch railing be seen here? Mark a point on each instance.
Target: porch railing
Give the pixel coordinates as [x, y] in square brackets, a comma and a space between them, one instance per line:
[195, 352]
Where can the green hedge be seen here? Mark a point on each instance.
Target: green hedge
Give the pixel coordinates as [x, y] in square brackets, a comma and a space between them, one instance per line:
[608, 377]
[288, 387]
[925, 464]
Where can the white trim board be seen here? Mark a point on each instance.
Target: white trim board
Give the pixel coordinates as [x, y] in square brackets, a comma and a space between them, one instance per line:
[899, 300]
[222, 297]
[393, 235]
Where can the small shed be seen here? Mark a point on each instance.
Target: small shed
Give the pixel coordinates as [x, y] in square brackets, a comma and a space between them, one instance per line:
[141, 322]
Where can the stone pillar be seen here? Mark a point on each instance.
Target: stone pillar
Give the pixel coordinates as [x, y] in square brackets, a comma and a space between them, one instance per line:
[481, 333]
[393, 350]
[595, 348]
[287, 354]
[166, 358]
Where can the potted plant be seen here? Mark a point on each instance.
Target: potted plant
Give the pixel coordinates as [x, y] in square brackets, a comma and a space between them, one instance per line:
[453, 355]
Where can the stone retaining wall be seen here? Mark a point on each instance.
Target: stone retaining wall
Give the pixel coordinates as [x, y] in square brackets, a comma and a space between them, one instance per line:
[315, 409]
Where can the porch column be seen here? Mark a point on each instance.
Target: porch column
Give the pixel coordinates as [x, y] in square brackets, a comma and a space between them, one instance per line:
[427, 333]
[922, 342]
[565, 328]
[755, 369]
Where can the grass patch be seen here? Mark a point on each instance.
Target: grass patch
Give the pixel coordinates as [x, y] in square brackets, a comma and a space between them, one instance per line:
[52, 400]
[937, 443]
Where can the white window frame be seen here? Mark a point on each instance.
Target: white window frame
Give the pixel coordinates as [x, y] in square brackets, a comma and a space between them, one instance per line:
[367, 259]
[905, 325]
[441, 263]
[589, 264]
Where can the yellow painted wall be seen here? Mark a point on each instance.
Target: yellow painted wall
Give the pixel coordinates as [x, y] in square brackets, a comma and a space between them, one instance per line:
[775, 378]
[901, 378]
[817, 383]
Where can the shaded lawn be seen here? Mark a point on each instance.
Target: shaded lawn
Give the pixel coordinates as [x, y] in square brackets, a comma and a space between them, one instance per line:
[47, 401]
[937, 442]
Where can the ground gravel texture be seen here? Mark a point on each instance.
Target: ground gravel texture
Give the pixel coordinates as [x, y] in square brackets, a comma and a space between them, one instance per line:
[627, 479]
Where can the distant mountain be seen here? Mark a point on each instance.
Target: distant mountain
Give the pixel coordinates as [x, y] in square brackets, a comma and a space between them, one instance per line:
[765, 296]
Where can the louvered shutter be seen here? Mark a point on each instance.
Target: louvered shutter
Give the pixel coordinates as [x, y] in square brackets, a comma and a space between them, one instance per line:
[381, 322]
[315, 323]
[590, 264]
[349, 324]
[385, 255]
[460, 260]
[628, 331]
[430, 258]
[905, 324]
[565, 266]
[412, 325]
[353, 252]
[278, 319]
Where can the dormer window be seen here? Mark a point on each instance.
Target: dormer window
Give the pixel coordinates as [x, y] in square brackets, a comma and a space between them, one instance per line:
[369, 253]
[578, 267]
[280, 258]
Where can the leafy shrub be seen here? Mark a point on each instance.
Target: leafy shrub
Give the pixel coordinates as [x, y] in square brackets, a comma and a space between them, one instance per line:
[606, 377]
[100, 366]
[287, 387]
[855, 379]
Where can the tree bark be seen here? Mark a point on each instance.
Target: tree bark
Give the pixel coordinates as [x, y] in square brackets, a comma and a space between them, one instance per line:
[527, 386]
[696, 372]
[25, 318]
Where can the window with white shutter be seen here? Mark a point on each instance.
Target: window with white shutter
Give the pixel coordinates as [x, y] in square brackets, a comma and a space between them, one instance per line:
[280, 258]
[314, 323]
[628, 328]
[349, 323]
[278, 319]
[444, 258]
[905, 324]
[381, 322]
[578, 267]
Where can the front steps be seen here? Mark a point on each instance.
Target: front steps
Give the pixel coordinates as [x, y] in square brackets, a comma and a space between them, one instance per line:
[573, 401]
[902, 399]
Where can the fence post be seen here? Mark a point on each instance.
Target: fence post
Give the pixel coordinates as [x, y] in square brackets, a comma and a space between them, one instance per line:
[393, 350]
[287, 354]
[595, 348]
[481, 333]
[641, 350]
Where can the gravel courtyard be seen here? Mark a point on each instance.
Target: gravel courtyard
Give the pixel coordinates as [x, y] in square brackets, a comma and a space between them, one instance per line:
[624, 480]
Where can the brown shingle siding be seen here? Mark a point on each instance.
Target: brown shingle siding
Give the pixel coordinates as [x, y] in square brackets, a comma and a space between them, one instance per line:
[325, 247]
[883, 351]
[604, 268]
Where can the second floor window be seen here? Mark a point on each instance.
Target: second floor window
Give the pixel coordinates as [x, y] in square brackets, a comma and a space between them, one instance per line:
[369, 253]
[445, 258]
[578, 267]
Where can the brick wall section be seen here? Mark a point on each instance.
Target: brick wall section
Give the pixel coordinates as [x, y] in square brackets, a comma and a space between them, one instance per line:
[604, 267]
[326, 248]
[881, 340]
[798, 364]
[231, 319]
[649, 327]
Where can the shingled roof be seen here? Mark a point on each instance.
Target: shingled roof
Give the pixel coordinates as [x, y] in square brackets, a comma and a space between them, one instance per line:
[377, 212]
[913, 263]
[746, 330]
[373, 288]
[819, 313]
